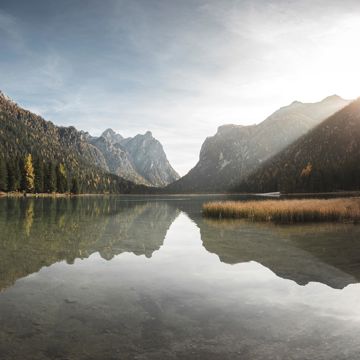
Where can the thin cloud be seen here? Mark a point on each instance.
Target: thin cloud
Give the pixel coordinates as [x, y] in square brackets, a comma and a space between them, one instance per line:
[179, 69]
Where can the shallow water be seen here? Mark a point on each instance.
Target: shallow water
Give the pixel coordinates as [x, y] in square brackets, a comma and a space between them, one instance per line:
[149, 278]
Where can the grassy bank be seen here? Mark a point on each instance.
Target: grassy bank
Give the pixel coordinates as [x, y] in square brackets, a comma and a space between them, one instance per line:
[287, 211]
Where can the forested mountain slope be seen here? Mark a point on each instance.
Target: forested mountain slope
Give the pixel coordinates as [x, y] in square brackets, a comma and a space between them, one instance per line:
[61, 157]
[235, 151]
[325, 159]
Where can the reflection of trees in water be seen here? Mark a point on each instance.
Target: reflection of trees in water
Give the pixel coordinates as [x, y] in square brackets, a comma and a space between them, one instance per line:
[326, 253]
[40, 232]
[29, 217]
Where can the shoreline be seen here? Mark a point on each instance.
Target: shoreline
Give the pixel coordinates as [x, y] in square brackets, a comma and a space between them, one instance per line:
[43, 195]
[259, 195]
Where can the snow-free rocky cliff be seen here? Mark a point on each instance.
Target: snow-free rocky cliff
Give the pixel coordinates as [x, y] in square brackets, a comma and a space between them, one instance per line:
[140, 159]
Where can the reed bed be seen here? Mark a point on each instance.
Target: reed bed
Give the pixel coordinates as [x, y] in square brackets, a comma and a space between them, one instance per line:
[287, 211]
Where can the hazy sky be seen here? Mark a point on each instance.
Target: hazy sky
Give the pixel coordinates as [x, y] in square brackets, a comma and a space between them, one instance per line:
[179, 68]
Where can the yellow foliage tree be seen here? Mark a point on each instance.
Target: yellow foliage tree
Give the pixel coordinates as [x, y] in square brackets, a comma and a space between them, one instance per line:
[29, 173]
[307, 170]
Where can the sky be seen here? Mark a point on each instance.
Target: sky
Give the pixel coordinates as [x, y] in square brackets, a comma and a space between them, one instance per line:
[177, 68]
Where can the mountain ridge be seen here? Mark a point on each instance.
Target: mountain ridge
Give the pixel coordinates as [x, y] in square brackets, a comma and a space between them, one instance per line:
[325, 159]
[235, 151]
[23, 132]
[140, 159]
[110, 152]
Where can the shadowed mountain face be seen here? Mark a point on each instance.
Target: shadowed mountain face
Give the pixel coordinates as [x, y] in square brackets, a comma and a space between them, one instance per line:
[325, 159]
[40, 232]
[49, 141]
[235, 151]
[140, 159]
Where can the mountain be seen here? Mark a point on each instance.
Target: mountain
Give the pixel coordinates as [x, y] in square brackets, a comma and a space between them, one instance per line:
[52, 148]
[325, 159]
[235, 151]
[150, 160]
[117, 160]
[140, 159]
[111, 136]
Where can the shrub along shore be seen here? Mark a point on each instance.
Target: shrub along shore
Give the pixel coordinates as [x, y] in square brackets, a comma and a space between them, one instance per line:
[287, 211]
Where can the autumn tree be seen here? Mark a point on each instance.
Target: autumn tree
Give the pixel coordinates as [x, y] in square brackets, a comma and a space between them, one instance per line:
[29, 173]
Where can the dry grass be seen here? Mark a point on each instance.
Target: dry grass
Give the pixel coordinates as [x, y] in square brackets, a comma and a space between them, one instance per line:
[287, 211]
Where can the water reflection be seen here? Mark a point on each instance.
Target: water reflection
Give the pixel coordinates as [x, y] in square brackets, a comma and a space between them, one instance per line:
[133, 278]
[327, 253]
[40, 232]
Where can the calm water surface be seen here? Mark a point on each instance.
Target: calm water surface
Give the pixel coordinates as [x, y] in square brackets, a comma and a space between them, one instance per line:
[149, 278]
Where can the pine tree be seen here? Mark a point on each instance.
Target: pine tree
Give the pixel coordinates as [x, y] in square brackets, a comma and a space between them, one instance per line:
[14, 175]
[39, 176]
[50, 178]
[22, 173]
[29, 174]
[62, 183]
[3, 175]
[75, 189]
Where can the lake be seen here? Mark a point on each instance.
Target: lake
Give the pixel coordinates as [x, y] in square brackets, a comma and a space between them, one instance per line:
[131, 277]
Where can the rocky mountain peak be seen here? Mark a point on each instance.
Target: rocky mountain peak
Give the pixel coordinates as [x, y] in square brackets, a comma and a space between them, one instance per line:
[140, 159]
[111, 136]
[333, 98]
[224, 129]
[295, 103]
[6, 98]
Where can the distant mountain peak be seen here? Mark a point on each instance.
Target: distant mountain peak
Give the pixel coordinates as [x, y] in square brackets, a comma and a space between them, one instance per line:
[140, 159]
[334, 97]
[7, 98]
[109, 131]
[110, 135]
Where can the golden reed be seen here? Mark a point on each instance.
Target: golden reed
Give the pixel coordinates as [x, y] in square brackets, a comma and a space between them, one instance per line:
[286, 211]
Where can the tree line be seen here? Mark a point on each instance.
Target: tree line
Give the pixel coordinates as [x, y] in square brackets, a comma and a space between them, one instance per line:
[36, 176]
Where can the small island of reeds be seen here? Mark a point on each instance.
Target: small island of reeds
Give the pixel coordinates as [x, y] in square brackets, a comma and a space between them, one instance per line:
[287, 211]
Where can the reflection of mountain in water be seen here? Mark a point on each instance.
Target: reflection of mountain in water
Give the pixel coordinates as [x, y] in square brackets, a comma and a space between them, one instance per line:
[329, 254]
[40, 232]
[326, 253]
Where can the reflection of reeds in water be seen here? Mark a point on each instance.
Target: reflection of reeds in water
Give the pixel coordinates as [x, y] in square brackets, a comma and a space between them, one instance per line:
[287, 211]
[283, 230]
